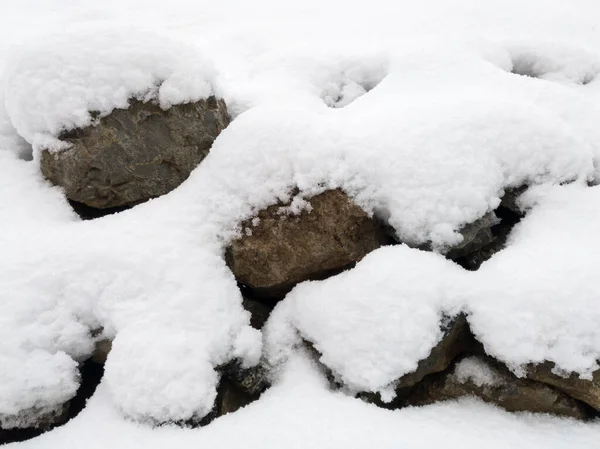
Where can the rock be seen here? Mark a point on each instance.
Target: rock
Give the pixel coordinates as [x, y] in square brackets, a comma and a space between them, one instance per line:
[253, 381]
[259, 312]
[585, 390]
[476, 236]
[494, 384]
[31, 423]
[456, 340]
[101, 351]
[283, 250]
[239, 387]
[510, 198]
[230, 398]
[135, 154]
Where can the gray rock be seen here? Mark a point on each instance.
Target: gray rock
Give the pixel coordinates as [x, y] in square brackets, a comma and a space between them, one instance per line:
[496, 385]
[135, 154]
[283, 250]
[30, 423]
[476, 236]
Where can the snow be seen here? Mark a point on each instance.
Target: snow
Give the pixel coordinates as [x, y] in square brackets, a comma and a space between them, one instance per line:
[55, 85]
[374, 323]
[410, 107]
[538, 300]
[478, 371]
[301, 412]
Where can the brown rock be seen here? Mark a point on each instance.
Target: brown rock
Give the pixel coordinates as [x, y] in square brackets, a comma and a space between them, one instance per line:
[135, 154]
[586, 390]
[283, 250]
[494, 384]
[101, 351]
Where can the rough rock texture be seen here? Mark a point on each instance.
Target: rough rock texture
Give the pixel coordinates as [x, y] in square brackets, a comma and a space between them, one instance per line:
[37, 418]
[586, 390]
[282, 250]
[252, 381]
[511, 197]
[456, 340]
[239, 387]
[135, 154]
[31, 423]
[476, 235]
[498, 386]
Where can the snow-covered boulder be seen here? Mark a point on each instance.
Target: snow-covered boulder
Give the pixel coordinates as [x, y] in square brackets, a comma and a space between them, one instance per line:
[135, 154]
[305, 239]
[493, 383]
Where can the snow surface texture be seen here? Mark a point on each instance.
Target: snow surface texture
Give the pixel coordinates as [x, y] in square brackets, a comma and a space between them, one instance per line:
[477, 371]
[301, 412]
[54, 85]
[443, 125]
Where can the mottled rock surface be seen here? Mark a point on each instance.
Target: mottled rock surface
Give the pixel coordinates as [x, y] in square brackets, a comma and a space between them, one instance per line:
[476, 236]
[586, 390]
[31, 423]
[496, 385]
[283, 250]
[135, 154]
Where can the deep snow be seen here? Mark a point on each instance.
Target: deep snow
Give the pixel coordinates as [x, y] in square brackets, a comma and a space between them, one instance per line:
[411, 107]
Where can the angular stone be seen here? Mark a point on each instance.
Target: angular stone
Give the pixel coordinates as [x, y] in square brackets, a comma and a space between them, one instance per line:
[135, 154]
[511, 197]
[253, 381]
[496, 385]
[585, 390]
[456, 340]
[283, 250]
[476, 236]
[231, 398]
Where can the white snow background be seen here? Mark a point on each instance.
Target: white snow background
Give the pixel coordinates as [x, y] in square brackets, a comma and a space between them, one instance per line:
[409, 106]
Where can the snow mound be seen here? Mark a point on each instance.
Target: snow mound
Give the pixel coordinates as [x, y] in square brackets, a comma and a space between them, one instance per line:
[69, 79]
[34, 385]
[431, 148]
[477, 371]
[539, 299]
[374, 323]
[535, 301]
[554, 62]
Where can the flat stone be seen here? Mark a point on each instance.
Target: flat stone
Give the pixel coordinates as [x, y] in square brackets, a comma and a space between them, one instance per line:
[496, 385]
[586, 390]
